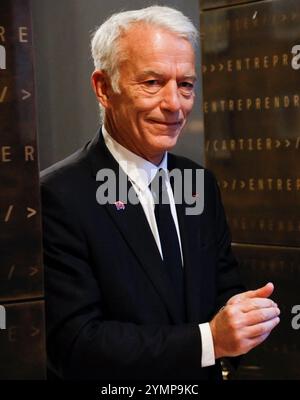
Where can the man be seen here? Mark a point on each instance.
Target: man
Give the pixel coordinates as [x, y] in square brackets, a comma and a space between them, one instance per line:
[142, 291]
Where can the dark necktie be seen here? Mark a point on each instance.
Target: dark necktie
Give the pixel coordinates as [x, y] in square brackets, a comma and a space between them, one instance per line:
[168, 237]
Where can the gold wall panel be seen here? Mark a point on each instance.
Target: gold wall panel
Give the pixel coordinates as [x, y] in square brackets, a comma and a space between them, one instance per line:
[251, 85]
[20, 230]
[22, 347]
[278, 357]
[22, 342]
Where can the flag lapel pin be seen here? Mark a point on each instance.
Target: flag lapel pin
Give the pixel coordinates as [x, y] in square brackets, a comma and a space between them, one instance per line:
[120, 205]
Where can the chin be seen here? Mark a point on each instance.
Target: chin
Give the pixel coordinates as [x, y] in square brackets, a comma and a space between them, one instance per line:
[166, 143]
[171, 140]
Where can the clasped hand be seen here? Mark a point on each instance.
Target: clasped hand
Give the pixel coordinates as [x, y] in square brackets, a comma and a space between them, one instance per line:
[244, 322]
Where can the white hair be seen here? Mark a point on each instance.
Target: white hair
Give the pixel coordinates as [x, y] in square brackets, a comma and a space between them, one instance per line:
[105, 41]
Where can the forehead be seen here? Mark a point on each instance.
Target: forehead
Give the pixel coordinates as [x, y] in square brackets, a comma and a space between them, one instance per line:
[147, 45]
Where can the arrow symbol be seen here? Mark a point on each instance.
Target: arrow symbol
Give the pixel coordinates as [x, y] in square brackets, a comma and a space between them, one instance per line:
[277, 144]
[242, 184]
[225, 184]
[8, 213]
[34, 331]
[3, 94]
[25, 94]
[287, 143]
[212, 67]
[204, 68]
[31, 212]
[221, 67]
[34, 271]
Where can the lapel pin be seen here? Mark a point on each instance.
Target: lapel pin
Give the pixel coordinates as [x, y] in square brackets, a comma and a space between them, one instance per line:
[119, 205]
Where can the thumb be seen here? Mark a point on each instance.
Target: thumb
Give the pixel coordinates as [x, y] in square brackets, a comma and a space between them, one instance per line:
[264, 292]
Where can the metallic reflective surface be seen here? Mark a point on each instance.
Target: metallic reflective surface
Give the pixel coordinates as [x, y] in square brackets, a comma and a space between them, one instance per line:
[252, 117]
[21, 280]
[20, 230]
[278, 357]
[22, 343]
[251, 81]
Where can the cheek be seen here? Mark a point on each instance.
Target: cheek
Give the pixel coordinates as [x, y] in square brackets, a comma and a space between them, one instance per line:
[128, 112]
[188, 105]
[146, 103]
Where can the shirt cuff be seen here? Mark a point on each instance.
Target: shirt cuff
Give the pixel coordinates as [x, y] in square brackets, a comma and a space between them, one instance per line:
[208, 352]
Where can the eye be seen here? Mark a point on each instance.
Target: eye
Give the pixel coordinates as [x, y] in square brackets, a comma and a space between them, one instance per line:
[152, 82]
[152, 85]
[186, 87]
[187, 84]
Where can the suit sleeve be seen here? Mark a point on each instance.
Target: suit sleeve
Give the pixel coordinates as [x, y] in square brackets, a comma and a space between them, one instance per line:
[81, 342]
[229, 280]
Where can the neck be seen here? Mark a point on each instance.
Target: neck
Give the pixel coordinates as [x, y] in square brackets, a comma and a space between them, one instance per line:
[130, 145]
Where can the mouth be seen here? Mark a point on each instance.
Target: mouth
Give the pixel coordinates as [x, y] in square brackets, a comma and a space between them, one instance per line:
[167, 123]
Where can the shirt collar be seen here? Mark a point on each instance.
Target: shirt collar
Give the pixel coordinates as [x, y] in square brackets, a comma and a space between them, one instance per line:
[140, 171]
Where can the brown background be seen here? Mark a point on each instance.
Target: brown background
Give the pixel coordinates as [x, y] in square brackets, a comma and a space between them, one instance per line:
[22, 346]
[265, 223]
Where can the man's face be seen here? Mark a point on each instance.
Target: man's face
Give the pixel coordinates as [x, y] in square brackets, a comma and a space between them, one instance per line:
[156, 91]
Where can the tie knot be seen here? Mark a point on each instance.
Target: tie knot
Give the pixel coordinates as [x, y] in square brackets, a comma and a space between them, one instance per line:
[158, 187]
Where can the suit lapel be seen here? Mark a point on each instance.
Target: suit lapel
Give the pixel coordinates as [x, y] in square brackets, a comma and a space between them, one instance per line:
[194, 284]
[132, 223]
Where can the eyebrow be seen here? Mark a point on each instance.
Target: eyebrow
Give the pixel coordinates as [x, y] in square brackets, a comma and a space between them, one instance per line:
[156, 74]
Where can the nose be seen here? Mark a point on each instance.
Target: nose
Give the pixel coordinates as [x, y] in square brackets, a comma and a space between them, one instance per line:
[170, 98]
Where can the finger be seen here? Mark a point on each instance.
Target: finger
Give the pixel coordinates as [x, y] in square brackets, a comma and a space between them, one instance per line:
[264, 291]
[262, 328]
[257, 340]
[256, 304]
[255, 317]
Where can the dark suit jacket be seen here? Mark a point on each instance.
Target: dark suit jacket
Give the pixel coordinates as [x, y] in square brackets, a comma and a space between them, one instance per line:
[110, 310]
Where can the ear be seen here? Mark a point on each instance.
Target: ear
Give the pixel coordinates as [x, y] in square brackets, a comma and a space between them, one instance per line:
[101, 85]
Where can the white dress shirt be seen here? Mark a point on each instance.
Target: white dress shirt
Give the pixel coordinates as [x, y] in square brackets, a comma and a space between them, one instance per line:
[141, 173]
